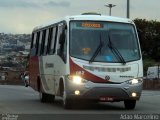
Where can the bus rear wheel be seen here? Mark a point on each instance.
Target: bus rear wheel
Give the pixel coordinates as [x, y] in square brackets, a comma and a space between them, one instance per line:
[43, 97]
[130, 104]
[46, 97]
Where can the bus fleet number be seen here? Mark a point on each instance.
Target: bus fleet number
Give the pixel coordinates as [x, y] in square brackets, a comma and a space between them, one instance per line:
[80, 73]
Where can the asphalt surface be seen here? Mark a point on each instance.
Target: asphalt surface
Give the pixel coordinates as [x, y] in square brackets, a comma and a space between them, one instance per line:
[23, 102]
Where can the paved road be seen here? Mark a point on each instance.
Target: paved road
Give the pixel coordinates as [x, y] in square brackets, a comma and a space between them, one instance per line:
[22, 100]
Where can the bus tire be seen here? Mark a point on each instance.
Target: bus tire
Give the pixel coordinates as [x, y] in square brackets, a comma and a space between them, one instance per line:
[43, 97]
[67, 104]
[46, 97]
[50, 98]
[130, 104]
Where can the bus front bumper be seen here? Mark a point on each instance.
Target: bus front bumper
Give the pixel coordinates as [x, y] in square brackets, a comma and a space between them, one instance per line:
[105, 92]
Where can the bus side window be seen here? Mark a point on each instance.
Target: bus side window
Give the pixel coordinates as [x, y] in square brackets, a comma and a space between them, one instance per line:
[55, 44]
[53, 40]
[39, 43]
[43, 42]
[50, 35]
[62, 51]
[46, 42]
[33, 41]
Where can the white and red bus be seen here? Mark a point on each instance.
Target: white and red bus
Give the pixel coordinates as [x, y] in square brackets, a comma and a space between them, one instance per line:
[87, 57]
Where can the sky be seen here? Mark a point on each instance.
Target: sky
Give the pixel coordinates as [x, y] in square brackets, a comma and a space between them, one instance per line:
[21, 16]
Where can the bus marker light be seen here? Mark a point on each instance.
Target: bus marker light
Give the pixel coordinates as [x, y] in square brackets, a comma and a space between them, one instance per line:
[77, 92]
[134, 94]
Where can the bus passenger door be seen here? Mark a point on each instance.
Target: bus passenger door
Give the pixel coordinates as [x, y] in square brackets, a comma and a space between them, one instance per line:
[61, 48]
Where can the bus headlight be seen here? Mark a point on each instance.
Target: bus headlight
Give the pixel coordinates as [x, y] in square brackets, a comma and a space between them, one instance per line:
[77, 79]
[134, 81]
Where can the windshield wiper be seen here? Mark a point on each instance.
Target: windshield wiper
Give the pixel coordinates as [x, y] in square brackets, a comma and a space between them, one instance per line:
[96, 51]
[115, 51]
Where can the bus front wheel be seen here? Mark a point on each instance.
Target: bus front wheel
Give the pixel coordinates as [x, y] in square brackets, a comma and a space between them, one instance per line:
[67, 104]
[130, 104]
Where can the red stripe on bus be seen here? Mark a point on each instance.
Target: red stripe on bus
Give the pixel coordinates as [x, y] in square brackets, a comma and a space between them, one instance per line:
[33, 71]
[74, 68]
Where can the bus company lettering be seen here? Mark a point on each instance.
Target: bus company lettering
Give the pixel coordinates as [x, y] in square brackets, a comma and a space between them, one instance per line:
[49, 65]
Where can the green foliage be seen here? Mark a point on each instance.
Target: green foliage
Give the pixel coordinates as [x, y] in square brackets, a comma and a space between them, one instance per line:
[149, 37]
[147, 62]
[149, 34]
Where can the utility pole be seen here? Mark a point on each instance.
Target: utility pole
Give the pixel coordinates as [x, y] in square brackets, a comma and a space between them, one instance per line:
[128, 8]
[110, 7]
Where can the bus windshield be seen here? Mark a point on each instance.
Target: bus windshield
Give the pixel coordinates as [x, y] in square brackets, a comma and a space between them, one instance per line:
[103, 41]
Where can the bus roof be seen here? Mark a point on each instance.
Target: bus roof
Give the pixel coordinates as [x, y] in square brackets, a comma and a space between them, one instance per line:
[86, 17]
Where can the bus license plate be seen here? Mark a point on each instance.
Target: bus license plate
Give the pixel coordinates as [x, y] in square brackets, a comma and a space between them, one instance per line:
[106, 98]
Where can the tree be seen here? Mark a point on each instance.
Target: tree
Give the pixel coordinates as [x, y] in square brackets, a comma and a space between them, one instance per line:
[150, 38]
